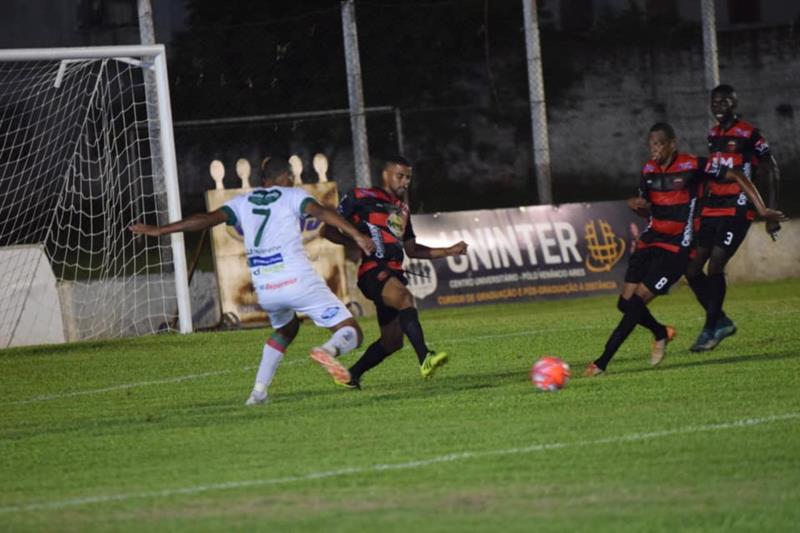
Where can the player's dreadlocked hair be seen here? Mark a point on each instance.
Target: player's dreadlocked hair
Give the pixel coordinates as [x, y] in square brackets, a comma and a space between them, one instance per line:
[666, 128]
[273, 167]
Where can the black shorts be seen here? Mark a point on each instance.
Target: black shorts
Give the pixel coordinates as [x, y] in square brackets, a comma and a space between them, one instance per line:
[371, 284]
[724, 232]
[656, 268]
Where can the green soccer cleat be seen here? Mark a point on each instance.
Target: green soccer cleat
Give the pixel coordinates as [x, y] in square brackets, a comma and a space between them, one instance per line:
[705, 341]
[432, 361]
[353, 384]
[725, 328]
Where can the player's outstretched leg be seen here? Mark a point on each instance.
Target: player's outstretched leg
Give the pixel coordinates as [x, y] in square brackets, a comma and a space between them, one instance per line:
[397, 296]
[346, 337]
[662, 334]
[632, 316]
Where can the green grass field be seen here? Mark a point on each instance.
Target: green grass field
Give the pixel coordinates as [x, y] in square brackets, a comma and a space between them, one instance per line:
[152, 434]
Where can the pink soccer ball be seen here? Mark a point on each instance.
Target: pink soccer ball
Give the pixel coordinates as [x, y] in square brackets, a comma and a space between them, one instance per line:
[550, 373]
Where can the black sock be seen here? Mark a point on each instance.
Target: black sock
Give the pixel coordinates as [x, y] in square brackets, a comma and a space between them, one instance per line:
[409, 323]
[647, 320]
[632, 316]
[658, 329]
[716, 296]
[701, 287]
[371, 358]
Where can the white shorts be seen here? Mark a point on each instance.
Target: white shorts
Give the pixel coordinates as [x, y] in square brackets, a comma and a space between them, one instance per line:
[310, 296]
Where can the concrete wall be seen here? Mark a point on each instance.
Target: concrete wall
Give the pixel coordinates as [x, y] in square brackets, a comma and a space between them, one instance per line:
[761, 259]
[604, 118]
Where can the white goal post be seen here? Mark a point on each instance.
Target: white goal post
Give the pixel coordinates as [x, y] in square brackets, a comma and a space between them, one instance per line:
[75, 171]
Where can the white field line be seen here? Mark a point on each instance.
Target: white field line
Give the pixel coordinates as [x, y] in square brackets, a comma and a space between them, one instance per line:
[124, 386]
[408, 465]
[189, 377]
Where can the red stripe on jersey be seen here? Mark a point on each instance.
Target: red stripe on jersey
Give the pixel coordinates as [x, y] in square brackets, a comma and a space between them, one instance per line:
[366, 266]
[674, 248]
[740, 129]
[374, 192]
[751, 215]
[724, 189]
[682, 163]
[718, 212]
[667, 227]
[679, 197]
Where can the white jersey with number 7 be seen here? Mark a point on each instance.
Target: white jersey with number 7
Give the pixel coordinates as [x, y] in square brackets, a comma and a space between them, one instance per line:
[269, 220]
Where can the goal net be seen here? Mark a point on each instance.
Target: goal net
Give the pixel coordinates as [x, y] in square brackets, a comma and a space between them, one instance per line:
[82, 157]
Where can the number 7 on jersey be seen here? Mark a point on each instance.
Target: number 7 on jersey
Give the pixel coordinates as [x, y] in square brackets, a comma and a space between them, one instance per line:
[265, 213]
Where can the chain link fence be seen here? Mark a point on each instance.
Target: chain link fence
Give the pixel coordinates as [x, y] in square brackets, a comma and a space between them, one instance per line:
[450, 80]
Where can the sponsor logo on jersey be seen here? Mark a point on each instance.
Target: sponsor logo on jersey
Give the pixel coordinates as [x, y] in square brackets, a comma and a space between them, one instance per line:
[375, 233]
[278, 285]
[687, 229]
[262, 261]
[264, 196]
[330, 312]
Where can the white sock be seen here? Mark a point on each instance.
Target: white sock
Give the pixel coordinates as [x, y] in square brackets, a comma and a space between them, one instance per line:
[342, 341]
[270, 359]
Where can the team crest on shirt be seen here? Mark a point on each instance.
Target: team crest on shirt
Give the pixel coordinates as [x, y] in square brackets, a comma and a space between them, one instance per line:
[732, 147]
[396, 224]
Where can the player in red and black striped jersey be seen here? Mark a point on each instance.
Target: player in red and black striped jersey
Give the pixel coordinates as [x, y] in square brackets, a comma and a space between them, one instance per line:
[668, 192]
[726, 211]
[381, 213]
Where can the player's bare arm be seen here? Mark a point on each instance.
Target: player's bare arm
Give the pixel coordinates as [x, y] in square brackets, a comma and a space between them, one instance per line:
[754, 196]
[640, 206]
[197, 222]
[420, 251]
[769, 173]
[335, 222]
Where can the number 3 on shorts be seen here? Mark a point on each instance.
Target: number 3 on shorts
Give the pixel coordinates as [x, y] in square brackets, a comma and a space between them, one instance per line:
[728, 238]
[660, 284]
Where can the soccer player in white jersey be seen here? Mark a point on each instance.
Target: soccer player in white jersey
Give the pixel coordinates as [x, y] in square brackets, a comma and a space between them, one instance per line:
[283, 277]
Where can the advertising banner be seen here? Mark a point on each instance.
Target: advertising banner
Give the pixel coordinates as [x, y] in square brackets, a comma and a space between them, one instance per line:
[524, 253]
[233, 277]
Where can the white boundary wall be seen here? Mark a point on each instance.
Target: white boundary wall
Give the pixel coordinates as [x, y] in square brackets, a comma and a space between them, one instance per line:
[761, 259]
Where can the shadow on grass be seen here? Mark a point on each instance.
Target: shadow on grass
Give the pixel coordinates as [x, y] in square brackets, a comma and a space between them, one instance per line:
[672, 364]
